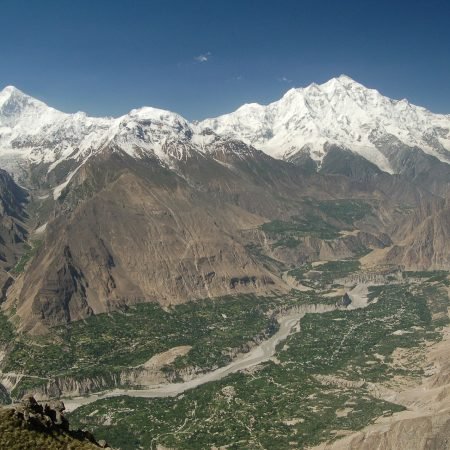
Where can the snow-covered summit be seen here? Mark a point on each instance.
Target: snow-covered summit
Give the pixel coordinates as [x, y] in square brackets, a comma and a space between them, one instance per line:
[19, 108]
[33, 133]
[340, 111]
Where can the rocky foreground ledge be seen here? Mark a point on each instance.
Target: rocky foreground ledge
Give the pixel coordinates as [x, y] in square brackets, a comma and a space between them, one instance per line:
[30, 425]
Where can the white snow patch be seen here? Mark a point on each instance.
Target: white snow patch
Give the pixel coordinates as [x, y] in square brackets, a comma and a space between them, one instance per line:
[58, 189]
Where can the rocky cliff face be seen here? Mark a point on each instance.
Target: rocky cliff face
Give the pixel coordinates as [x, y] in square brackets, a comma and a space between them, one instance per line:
[13, 233]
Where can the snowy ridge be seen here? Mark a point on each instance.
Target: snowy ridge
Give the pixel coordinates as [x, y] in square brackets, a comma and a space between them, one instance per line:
[340, 111]
[33, 133]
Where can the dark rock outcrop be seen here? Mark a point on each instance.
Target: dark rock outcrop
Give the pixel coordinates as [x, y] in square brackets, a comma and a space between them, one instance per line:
[49, 418]
[344, 302]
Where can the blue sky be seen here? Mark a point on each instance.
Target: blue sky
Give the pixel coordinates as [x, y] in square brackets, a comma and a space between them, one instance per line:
[202, 58]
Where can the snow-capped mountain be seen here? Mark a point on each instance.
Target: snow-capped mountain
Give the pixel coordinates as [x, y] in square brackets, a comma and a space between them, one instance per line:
[340, 111]
[150, 206]
[34, 134]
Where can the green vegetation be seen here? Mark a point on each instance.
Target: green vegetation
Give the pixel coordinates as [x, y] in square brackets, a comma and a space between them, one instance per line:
[110, 343]
[5, 399]
[299, 400]
[435, 276]
[321, 219]
[30, 252]
[324, 275]
[15, 436]
[364, 339]
[268, 262]
[288, 233]
[269, 409]
[6, 339]
[346, 211]
[6, 330]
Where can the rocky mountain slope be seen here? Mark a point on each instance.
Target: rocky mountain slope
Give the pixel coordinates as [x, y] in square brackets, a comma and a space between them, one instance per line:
[13, 233]
[425, 423]
[100, 214]
[150, 207]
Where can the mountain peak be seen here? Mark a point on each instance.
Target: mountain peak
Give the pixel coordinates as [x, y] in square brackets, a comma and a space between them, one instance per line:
[8, 89]
[6, 93]
[346, 79]
[340, 111]
[11, 91]
[16, 106]
[329, 87]
[149, 112]
[12, 94]
[341, 81]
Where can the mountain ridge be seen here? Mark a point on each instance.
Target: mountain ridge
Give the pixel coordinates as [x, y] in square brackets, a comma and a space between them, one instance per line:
[57, 144]
[340, 111]
[304, 121]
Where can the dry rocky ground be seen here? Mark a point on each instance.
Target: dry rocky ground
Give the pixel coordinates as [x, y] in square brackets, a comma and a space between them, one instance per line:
[425, 424]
